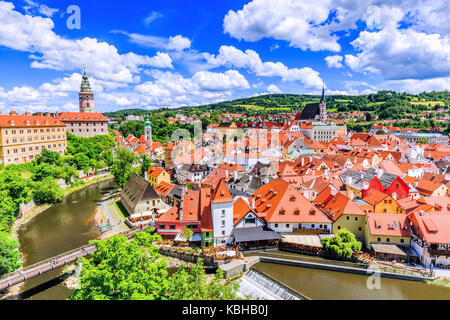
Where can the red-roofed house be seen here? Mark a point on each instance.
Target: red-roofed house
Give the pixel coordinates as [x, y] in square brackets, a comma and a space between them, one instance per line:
[285, 209]
[431, 238]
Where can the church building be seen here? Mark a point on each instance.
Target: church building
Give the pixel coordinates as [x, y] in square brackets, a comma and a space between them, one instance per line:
[314, 111]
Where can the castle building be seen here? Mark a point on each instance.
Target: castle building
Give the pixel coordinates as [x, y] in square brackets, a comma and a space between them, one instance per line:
[86, 95]
[86, 123]
[23, 137]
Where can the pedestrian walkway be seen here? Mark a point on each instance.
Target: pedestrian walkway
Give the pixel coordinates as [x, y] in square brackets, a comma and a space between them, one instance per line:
[110, 213]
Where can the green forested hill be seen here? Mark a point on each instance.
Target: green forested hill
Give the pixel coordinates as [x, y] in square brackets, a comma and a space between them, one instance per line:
[385, 104]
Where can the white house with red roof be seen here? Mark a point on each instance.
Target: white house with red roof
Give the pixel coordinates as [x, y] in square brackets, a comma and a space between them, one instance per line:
[431, 239]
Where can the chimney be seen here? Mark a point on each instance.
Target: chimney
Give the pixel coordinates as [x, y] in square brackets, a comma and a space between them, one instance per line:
[380, 173]
[13, 113]
[183, 191]
[253, 203]
[303, 162]
[348, 179]
[416, 184]
[226, 173]
[235, 175]
[28, 113]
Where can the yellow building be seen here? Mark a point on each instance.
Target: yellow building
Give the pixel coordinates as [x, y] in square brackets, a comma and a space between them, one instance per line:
[387, 229]
[23, 137]
[379, 202]
[344, 213]
[156, 175]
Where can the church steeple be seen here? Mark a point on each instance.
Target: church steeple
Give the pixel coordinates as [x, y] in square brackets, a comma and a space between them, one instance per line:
[323, 106]
[86, 96]
[148, 130]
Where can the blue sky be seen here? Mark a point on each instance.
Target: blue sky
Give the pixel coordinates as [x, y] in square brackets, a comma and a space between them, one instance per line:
[150, 54]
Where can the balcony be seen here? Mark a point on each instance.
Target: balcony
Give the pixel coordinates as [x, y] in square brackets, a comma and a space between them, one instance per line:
[435, 252]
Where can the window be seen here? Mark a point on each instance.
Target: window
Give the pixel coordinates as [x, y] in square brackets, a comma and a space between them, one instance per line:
[356, 218]
[359, 229]
[276, 225]
[388, 240]
[287, 225]
[162, 226]
[402, 240]
[172, 227]
[223, 232]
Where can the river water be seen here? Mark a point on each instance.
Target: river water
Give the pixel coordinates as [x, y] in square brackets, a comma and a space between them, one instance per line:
[70, 224]
[63, 227]
[331, 285]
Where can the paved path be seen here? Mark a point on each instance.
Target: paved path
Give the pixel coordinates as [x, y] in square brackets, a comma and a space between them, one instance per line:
[110, 212]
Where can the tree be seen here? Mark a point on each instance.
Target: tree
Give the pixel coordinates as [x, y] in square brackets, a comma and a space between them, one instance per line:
[187, 233]
[82, 161]
[8, 211]
[134, 270]
[49, 157]
[122, 169]
[194, 285]
[47, 192]
[43, 171]
[343, 244]
[146, 164]
[9, 254]
[123, 270]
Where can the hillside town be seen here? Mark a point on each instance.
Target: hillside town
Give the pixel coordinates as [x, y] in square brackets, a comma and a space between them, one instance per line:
[260, 185]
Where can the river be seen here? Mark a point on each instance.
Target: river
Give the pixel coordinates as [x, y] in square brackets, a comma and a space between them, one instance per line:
[63, 227]
[331, 285]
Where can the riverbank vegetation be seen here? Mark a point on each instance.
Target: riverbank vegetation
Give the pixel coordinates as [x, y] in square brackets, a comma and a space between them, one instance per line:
[135, 270]
[43, 180]
[343, 244]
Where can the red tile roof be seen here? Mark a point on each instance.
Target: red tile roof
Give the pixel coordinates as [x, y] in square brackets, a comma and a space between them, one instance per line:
[16, 121]
[221, 193]
[389, 224]
[81, 116]
[283, 203]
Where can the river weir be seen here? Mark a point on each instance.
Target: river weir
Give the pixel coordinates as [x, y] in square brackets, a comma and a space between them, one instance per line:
[257, 285]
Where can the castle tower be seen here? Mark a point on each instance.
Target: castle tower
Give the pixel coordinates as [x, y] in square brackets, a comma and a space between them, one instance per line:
[148, 130]
[86, 95]
[323, 107]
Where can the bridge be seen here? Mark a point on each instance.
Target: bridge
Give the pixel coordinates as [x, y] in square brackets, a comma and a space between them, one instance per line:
[35, 270]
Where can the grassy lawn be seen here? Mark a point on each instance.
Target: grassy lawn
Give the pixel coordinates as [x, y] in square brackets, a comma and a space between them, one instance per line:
[121, 209]
[426, 103]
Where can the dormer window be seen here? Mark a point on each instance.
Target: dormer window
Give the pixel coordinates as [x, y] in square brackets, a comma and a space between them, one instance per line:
[37, 123]
[13, 123]
[28, 123]
[296, 212]
[312, 212]
[282, 212]
[46, 122]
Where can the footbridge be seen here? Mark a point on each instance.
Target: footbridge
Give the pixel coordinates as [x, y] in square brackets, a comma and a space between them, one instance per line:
[35, 270]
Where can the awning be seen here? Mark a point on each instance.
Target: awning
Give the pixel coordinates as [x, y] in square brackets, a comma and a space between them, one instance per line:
[254, 234]
[388, 249]
[303, 240]
[195, 237]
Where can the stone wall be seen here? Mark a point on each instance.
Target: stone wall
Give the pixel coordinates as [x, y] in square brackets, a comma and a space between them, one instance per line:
[24, 207]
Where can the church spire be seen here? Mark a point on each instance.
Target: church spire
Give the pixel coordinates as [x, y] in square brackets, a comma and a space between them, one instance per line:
[323, 94]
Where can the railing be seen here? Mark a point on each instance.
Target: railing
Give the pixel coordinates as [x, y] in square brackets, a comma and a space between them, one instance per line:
[311, 231]
[439, 252]
[53, 263]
